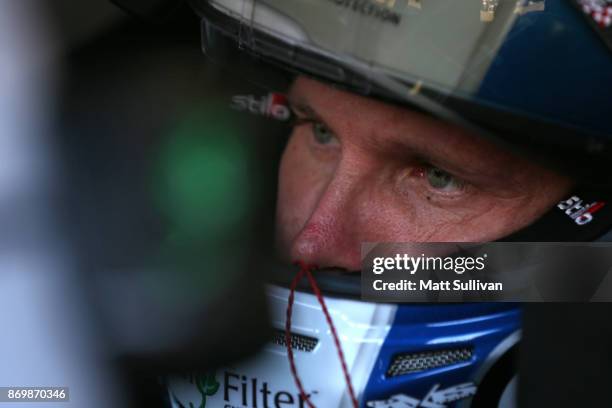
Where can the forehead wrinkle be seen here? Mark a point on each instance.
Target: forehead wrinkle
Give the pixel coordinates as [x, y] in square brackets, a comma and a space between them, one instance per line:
[302, 106]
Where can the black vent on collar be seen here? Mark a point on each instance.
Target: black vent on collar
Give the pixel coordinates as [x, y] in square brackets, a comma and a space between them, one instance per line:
[426, 360]
[298, 341]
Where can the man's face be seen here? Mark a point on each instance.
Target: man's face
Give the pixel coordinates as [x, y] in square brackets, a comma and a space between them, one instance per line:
[358, 170]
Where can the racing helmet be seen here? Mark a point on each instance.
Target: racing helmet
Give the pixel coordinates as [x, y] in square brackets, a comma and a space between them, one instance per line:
[531, 76]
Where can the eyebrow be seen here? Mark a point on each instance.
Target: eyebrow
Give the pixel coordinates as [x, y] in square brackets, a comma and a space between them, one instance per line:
[303, 107]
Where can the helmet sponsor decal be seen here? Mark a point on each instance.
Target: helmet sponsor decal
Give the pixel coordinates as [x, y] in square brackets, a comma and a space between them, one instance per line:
[273, 105]
[370, 8]
[599, 15]
[599, 10]
[207, 385]
[236, 390]
[435, 398]
[580, 213]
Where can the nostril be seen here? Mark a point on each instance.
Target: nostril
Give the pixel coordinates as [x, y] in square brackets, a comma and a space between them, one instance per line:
[327, 242]
[309, 245]
[326, 254]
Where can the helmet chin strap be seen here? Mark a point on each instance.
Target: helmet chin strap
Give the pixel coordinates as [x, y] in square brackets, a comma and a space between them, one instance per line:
[583, 215]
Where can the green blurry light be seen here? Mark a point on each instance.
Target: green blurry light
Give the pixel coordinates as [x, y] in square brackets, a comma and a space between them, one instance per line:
[203, 182]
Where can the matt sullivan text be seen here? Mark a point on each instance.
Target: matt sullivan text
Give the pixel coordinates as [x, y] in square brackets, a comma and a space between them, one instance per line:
[457, 284]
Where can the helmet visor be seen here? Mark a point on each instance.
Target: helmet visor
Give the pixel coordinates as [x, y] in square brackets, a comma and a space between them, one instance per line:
[446, 46]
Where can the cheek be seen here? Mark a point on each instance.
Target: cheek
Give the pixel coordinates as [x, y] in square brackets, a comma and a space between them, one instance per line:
[482, 219]
[302, 179]
[424, 223]
[413, 218]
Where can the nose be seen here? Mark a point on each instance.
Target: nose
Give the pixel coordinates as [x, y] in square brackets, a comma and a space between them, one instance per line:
[331, 237]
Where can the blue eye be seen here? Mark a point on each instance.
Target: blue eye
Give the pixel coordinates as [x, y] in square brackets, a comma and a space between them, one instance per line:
[322, 134]
[441, 180]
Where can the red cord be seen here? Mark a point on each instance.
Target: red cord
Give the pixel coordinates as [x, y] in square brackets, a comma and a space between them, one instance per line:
[294, 373]
[306, 270]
